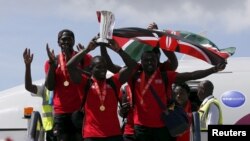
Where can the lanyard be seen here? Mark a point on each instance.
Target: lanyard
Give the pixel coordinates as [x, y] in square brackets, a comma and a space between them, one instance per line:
[63, 67]
[101, 92]
[144, 89]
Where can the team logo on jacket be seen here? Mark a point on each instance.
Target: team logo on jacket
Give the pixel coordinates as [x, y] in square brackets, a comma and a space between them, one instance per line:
[233, 99]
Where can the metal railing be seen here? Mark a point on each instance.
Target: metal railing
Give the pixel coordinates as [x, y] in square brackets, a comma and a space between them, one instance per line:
[35, 128]
[196, 132]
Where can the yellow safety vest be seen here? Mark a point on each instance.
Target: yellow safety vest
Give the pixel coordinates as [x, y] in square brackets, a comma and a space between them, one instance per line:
[203, 113]
[47, 112]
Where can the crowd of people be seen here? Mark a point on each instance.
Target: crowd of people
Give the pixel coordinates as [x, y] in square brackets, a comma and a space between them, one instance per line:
[127, 93]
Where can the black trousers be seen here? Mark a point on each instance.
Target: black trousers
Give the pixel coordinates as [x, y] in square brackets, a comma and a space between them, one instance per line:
[129, 137]
[64, 129]
[113, 138]
[143, 133]
[50, 136]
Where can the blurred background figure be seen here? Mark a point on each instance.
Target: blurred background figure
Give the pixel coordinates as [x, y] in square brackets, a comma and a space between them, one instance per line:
[210, 110]
[181, 94]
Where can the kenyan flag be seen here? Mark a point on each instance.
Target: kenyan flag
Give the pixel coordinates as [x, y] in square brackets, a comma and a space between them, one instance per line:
[136, 40]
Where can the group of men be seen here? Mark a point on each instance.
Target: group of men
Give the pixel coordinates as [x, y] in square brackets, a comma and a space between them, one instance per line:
[74, 76]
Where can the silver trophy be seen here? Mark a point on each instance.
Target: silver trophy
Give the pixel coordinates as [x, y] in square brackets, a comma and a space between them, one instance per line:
[107, 22]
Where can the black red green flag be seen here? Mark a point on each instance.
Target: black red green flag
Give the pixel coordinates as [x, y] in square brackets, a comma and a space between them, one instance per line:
[136, 40]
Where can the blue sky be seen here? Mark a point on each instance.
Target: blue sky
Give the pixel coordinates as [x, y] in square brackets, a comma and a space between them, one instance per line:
[32, 24]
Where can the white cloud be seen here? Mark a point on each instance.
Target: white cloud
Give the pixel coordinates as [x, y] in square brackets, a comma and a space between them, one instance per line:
[230, 15]
[238, 19]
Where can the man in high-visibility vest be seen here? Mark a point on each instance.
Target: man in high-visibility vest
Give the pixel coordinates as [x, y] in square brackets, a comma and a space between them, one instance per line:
[210, 111]
[40, 91]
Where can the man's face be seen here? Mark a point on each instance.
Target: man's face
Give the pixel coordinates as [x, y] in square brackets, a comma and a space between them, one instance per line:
[201, 93]
[149, 62]
[99, 69]
[66, 42]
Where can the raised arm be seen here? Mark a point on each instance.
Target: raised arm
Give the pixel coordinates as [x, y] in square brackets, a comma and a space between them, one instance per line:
[74, 71]
[152, 26]
[182, 77]
[126, 71]
[172, 59]
[85, 70]
[50, 77]
[28, 58]
[111, 66]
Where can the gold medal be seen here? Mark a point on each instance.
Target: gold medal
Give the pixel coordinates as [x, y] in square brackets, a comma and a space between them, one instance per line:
[66, 83]
[102, 108]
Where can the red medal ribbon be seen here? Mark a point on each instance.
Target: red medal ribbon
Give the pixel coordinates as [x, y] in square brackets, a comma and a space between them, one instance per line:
[101, 92]
[144, 89]
[62, 62]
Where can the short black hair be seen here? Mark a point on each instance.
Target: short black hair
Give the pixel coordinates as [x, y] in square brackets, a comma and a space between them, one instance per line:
[66, 30]
[182, 85]
[95, 59]
[156, 50]
[208, 86]
[148, 52]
